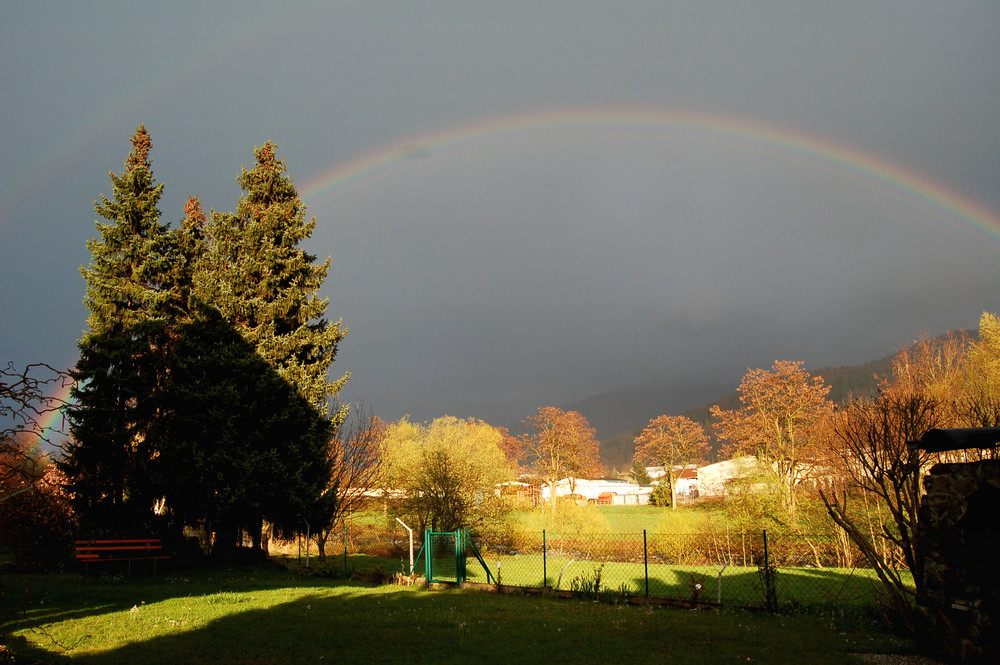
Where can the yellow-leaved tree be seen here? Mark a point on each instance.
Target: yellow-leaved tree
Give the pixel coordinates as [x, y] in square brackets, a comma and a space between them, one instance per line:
[445, 475]
[979, 403]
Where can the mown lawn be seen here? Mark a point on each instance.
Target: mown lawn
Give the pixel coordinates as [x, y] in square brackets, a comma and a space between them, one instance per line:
[272, 615]
[632, 519]
[808, 588]
[739, 585]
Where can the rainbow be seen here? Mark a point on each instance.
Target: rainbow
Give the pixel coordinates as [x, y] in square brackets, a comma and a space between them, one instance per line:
[398, 158]
[51, 425]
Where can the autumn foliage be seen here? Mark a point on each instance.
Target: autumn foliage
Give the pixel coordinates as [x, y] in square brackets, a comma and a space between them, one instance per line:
[36, 521]
[671, 442]
[781, 423]
[562, 445]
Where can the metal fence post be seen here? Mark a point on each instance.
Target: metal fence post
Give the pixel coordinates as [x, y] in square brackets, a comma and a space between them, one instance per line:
[545, 570]
[428, 558]
[645, 560]
[767, 561]
[459, 560]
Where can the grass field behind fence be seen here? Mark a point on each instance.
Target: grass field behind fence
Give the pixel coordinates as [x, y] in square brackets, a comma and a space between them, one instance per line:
[819, 588]
[686, 559]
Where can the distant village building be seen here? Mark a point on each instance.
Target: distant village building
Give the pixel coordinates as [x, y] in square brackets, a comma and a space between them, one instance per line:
[689, 483]
[607, 491]
[655, 472]
[706, 482]
[688, 480]
[714, 479]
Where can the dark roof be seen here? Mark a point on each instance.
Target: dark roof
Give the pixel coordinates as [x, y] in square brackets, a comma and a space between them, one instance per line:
[941, 440]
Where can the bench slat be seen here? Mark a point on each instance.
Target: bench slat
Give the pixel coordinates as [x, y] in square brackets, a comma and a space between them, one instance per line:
[131, 558]
[125, 549]
[120, 541]
[109, 548]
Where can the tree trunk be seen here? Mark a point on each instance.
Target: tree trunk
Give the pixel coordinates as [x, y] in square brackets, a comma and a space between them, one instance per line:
[257, 533]
[226, 537]
[322, 536]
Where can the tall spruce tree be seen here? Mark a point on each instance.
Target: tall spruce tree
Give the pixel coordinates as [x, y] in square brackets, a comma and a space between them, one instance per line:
[121, 371]
[269, 368]
[202, 376]
[260, 279]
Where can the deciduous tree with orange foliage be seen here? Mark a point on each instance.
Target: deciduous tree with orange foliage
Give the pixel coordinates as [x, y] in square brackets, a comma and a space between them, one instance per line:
[781, 423]
[948, 381]
[562, 445]
[671, 442]
[512, 447]
[881, 476]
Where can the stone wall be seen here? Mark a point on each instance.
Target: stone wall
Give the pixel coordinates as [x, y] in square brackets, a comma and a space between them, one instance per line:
[959, 535]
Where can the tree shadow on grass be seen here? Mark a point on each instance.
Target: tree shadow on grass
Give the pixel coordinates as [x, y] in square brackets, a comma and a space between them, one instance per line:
[842, 591]
[347, 623]
[396, 625]
[28, 601]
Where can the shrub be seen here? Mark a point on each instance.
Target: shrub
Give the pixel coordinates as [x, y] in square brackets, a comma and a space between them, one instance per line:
[660, 496]
[37, 524]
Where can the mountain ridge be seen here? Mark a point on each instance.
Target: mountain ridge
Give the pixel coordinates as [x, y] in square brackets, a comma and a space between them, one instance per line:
[619, 415]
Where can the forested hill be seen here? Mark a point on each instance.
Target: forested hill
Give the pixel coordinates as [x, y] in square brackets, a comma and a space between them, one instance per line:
[617, 449]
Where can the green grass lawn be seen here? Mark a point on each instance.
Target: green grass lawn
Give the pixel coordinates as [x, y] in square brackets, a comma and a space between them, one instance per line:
[585, 541]
[270, 615]
[632, 519]
[740, 586]
[614, 519]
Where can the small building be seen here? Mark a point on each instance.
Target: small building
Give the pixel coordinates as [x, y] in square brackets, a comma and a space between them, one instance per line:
[713, 479]
[688, 484]
[687, 478]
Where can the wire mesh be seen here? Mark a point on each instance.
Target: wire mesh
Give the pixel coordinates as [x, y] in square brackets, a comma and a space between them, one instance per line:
[808, 571]
[443, 561]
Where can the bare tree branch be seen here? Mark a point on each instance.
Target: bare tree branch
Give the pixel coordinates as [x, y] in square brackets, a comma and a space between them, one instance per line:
[27, 397]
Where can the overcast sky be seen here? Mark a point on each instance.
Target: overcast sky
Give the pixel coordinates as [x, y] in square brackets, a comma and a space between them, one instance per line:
[530, 203]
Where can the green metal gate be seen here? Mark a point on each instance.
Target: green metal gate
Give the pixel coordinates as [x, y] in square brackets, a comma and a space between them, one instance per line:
[446, 556]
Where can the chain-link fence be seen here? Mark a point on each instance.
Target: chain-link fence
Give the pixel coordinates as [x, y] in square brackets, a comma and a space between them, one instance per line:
[738, 569]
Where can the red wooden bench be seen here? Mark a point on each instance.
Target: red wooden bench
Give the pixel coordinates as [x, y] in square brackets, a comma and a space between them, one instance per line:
[127, 550]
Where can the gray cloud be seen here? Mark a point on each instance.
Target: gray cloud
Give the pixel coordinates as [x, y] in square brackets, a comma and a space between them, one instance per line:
[536, 268]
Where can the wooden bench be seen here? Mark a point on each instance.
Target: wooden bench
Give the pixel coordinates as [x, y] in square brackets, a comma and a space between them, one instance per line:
[128, 550]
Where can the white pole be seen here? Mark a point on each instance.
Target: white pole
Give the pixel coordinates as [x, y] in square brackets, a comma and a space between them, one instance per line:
[308, 536]
[411, 542]
[719, 597]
